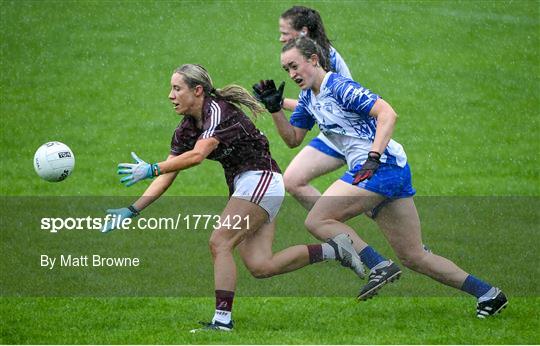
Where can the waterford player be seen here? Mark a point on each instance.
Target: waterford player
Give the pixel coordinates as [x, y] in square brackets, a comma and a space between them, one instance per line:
[213, 127]
[320, 156]
[378, 181]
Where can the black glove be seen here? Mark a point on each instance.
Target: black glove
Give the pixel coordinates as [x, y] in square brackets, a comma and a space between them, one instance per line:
[268, 95]
[368, 169]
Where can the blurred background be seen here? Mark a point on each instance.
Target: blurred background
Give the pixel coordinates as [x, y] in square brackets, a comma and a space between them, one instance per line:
[463, 77]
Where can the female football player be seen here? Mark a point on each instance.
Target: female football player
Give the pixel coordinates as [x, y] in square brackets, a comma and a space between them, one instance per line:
[213, 127]
[320, 156]
[360, 123]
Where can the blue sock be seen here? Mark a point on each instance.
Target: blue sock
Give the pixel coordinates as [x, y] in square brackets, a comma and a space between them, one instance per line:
[475, 286]
[370, 257]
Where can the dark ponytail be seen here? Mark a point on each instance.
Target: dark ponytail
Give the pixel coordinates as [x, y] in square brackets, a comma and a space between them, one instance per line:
[301, 16]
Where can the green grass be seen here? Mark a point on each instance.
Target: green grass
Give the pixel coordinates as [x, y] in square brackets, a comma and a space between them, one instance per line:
[95, 75]
[462, 75]
[265, 321]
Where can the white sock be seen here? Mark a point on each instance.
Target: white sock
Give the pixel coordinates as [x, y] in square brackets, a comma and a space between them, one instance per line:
[492, 293]
[222, 316]
[381, 265]
[328, 251]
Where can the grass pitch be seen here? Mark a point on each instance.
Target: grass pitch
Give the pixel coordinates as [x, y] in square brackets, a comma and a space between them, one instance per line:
[463, 77]
[266, 321]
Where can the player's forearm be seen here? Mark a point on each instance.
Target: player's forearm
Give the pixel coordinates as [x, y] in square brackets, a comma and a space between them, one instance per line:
[290, 104]
[386, 121]
[155, 190]
[285, 129]
[186, 160]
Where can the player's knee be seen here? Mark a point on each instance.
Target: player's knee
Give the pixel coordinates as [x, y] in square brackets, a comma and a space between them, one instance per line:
[293, 182]
[314, 223]
[262, 270]
[413, 260]
[261, 274]
[219, 245]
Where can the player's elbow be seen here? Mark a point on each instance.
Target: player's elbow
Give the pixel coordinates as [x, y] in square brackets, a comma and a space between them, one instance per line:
[393, 115]
[294, 140]
[292, 143]
[387, 120]
[387, 114]
[383, 111]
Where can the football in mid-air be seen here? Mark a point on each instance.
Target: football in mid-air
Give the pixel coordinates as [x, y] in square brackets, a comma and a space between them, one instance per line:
[54, 161]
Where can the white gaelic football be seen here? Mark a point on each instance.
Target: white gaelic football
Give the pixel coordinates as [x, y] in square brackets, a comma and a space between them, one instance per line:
[54, 161]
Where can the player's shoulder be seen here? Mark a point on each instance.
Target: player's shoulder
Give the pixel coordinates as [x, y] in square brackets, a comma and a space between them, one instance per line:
[342, 88]
[213, 106]
[218, 110]
[335, 57]
[333, 52]
[335, 81]
[305, 96]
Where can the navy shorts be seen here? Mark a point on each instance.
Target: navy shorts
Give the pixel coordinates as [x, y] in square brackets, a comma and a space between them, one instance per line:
[389, 180]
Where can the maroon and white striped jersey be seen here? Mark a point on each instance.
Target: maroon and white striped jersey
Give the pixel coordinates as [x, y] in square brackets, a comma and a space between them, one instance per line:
[242, 147]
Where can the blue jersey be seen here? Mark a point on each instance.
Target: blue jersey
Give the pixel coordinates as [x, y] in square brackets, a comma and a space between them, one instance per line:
[321, 143]
[341, 109]
[337, 64]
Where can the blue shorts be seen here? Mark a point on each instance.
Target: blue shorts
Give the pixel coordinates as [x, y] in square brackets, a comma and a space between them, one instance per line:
[389, 180]
[318, 144]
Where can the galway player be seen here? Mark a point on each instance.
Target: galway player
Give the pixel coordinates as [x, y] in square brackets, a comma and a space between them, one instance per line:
[214, 127]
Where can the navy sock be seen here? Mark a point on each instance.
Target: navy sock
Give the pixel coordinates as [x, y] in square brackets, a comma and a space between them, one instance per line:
[475, 286]
[370, 257]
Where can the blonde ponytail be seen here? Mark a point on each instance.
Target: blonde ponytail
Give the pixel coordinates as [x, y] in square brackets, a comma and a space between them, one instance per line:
[197, 75]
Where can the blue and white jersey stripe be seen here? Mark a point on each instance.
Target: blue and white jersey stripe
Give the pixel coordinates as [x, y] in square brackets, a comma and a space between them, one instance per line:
[341, 110]
[215, 114]
[337, 64]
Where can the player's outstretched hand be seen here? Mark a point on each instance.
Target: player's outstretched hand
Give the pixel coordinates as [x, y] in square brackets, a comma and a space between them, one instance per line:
[265, 91]
[137, 171]
[368, 168]
[116, 217]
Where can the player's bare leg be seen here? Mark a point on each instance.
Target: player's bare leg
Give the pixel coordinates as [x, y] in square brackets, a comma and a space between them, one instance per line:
[225, 239]
[254, 239]
[222, 243]
[307, 165]
[256, 252]
[339, 203]
[400, 224]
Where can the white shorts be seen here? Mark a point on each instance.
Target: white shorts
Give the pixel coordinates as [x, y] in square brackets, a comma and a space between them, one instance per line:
[264, 188]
